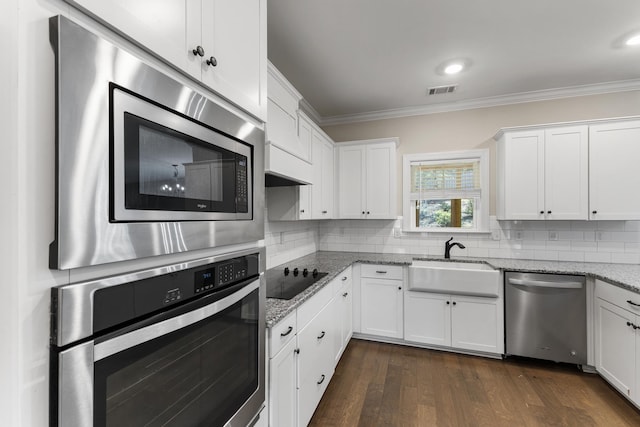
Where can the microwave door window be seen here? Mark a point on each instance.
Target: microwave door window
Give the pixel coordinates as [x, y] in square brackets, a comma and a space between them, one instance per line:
[167, 170]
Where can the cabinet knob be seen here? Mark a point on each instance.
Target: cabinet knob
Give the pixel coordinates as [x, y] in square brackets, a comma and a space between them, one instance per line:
[541, 212]
[454, 303]
[296, 351]
[399, 288]
[302, 210]
[345, 294]
[548, 212]
[198, 51]
[212, 61]
[368, 212]
[594, 212]
[448, 303]
[324, 212]
[362, 212]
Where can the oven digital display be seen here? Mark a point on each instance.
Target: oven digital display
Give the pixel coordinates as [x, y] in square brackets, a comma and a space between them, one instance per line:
[204, 280]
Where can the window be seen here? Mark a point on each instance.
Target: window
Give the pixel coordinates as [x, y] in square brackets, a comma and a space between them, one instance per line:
[446, 191]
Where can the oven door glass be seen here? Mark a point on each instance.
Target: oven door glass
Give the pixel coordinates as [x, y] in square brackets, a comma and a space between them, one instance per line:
[195, 376]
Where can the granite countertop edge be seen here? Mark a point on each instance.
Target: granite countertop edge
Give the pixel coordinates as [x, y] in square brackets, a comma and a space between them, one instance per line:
[626, 276]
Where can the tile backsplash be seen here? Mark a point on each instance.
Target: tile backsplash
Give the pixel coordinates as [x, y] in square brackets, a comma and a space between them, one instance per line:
[583, 241]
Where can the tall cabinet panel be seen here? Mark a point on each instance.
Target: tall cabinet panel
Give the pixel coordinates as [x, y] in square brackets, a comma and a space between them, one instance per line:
[614, 150]
[351, 175]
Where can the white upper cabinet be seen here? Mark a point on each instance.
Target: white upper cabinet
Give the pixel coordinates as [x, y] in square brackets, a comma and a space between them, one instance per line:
[235, 41]
[614, 156]
[543, 174]
[367, 179]
[221, 43]
[322, 187]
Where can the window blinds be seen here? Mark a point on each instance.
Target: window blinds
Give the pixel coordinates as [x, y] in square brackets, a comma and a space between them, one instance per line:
[459, 179]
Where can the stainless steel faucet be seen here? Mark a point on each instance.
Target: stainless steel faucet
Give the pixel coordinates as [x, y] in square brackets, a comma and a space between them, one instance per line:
[448, 246]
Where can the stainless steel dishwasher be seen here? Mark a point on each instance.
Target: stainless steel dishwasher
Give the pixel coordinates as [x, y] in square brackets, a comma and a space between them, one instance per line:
[546, 317]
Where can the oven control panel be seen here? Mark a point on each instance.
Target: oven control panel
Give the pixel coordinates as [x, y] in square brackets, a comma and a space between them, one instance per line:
[224, 273]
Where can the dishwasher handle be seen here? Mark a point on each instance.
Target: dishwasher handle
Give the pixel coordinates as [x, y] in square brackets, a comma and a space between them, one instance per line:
[544, 284]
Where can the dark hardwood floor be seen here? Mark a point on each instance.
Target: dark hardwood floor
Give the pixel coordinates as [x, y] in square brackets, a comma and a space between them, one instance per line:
[379, 384]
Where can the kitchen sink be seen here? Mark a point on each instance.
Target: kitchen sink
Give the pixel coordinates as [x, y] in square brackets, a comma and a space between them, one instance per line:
[450, 277]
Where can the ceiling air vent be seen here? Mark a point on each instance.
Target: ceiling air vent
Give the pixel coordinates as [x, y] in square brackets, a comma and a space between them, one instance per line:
[438, 90]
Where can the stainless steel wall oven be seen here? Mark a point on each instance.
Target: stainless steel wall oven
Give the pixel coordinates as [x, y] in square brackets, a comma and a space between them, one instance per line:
[145, 165]
[181, 345]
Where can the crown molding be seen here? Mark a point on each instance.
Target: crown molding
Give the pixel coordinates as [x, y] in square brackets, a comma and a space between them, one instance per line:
[494, 101]
[310, 111]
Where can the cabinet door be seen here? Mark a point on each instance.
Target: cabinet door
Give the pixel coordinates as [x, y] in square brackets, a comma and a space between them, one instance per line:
[160, 27]
[381, 181]
[524, 175]
[351, 175]
[304, 201]
[282, 387]
[616, 347]
[327, 175]
[614, 150]
[234, 33]
[305, 138]
[381, 307]
[475, 324]
[566, 164]
[343, 315]
[317, 207]
[427, 318]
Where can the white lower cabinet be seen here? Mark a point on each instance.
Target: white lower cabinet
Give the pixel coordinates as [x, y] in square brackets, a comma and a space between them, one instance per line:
[456, 321]
[381, 288]
[617, 321]
[304, 349]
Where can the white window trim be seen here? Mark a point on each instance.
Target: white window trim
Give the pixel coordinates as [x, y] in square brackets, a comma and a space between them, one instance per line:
[482, 224]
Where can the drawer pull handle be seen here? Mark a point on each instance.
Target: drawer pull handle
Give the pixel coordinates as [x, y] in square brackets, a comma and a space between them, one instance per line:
[633, 303]
[381, 272]
[632, 325]
[321, 379]
[289, 330]
[321, 335]
[344, 278]
[345, 294]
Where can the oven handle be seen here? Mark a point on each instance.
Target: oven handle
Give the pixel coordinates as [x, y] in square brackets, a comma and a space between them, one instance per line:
[151, 332]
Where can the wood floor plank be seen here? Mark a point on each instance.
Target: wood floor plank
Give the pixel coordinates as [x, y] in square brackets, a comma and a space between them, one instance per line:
[378, 384]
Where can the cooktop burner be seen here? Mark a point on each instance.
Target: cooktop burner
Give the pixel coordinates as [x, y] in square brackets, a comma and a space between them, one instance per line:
[287, 283]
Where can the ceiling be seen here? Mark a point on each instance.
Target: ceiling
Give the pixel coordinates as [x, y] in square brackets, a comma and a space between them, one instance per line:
[358, 60]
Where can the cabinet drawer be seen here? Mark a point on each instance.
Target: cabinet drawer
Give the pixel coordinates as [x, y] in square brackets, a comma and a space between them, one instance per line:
[313, 305]
[381, 271]
[282, 333]
[623, 298]
[309, 395]
[342, 280]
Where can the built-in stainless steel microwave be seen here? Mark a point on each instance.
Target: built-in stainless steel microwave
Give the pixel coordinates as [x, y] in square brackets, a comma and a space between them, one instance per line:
[145, 164]
[167, 167]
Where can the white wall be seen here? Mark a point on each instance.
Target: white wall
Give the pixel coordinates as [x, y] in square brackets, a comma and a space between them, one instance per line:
[9, 336]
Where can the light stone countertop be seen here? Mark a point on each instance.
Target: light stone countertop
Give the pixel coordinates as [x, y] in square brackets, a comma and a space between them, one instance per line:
[626, 276]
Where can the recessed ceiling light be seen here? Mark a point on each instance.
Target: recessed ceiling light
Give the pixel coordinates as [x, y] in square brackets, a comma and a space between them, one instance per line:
[454, 68]
[633, 41]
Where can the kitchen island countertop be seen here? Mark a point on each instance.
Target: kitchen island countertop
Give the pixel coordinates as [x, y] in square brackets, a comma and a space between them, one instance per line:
[626, 276]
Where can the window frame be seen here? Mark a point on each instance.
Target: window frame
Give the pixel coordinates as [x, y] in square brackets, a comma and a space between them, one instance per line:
[482, 210]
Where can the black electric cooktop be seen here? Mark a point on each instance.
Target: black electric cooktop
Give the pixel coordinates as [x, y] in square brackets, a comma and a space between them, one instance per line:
[286, 283]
